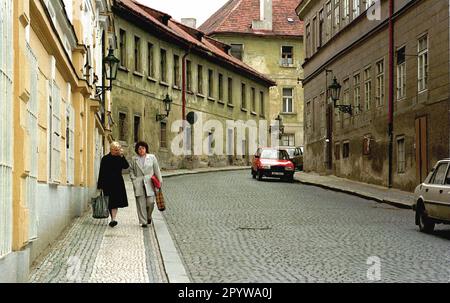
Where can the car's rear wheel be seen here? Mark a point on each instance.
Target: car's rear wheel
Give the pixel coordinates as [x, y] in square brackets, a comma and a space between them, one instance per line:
[260, 175]
[289, 178]
[426, 225]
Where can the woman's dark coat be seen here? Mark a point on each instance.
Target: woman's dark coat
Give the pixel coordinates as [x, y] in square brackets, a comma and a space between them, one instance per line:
[110, 180]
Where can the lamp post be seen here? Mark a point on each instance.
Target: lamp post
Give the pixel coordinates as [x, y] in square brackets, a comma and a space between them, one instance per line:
[167, 105]
[334, 91]
[110, 67]
[279, 119]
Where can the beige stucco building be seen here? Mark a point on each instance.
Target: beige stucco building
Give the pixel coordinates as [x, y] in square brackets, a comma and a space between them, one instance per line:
[392, 60]
[155, 52]
[268, 36]
[52, 138]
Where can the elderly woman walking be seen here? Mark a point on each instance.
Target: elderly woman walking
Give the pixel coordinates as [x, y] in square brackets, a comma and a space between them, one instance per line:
[110, 180]
[142, 168]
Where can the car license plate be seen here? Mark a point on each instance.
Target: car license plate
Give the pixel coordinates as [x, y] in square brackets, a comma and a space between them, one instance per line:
[278, 174]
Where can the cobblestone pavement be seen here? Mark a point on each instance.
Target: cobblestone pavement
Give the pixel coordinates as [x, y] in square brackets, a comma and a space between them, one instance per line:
[231, 228]
[90, 251]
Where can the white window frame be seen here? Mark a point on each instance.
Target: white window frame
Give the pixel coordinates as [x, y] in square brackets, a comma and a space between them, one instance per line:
[289, 138]
[401, 78]
[356, 8]
[401, 156]
[285, 61]
[357, 92]
[6, 126]
[337, 15]
[288, 100]
[380, 87]
[367, 88]
[55, 133]
[422, 64]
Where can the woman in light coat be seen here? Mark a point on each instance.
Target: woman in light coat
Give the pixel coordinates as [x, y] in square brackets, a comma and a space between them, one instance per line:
[142, 168]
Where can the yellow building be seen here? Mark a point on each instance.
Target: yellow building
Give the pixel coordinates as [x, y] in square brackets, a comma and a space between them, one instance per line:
[52, 125]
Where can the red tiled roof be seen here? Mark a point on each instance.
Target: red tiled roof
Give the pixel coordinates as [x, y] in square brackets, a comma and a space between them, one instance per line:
[236, 16]
[187, 36]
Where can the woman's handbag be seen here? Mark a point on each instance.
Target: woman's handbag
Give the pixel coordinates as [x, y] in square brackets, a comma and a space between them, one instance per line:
[160, 200]
[100, 209]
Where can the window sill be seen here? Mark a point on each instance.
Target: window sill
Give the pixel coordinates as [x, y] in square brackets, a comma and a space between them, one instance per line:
[211, 99]
[176, 88]
[230, 105]
[164, 83]
[423, 91]
[200, 95]
[190, 92]
[220, 102]
[124, 69]
[288, 66]
[253, 113]
[152, 79]
[164, 149]
[138, 74]
[289, 114]
[262, 116]
[244, 110]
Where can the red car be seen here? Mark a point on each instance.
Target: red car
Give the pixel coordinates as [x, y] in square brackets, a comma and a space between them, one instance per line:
[272, 162]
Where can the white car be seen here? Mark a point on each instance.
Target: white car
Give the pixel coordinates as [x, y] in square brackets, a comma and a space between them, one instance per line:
[432, 198]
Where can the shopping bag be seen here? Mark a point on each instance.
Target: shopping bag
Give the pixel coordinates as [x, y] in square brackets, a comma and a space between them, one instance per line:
[100, 209]
[160, 200]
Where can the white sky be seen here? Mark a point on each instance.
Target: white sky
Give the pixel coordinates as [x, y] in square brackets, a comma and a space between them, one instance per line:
[199, 9]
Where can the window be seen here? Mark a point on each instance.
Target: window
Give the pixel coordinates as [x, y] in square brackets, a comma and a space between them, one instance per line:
[314, 35]
[288, 140]
[287, 55]
[210, 143]
[163, 142]
[151, 69]
[236, 50]
[337, 151]
[423, 63]
[55, 143]
[369, 3]
[380, 83]
[439, 174]
[401, 155]
[321, 32]
[210, 83]
[346, 11]
[137, 54]
[70, 139]
[447, 179]
[308, 114]
[243, 96]
[163, 65]
[329, 20]
[230, 90]
[323, 116]
[123, 127]
[123, 48]
[288, 100]
[356, 9]
[366, 145]
[253, 99]
[137, 124]
[346, 96]
[261, 104]
[401, 73]
[308, 41]
[337, 15]
[176, 70]
[368, 87]
[220, 87]
[357, 92]
[346, 150]
[188, 76]
[200, 79]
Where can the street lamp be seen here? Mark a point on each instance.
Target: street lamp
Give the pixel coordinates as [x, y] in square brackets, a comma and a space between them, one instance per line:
[334, 91]
[110, 66]
[167, 104]
[280, 126]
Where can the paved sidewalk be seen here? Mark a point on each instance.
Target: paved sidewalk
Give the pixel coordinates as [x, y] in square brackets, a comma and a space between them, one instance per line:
[368, 191]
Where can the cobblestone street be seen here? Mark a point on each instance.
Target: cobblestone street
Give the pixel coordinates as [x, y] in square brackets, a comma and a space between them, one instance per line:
[91, 251]
[231, 228]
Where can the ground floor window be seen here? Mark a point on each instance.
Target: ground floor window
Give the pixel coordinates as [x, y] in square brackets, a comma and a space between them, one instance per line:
[346, 150]
[288, 140]
[401, 163]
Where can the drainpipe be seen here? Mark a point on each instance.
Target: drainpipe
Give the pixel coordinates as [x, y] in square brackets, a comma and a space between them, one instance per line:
[391, 90]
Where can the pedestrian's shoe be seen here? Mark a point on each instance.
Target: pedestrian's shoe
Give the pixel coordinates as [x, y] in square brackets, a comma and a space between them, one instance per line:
[113, 223]
[144, 225]
[149, 221]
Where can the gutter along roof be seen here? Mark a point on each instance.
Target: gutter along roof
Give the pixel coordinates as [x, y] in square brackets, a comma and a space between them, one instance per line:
[166, 28]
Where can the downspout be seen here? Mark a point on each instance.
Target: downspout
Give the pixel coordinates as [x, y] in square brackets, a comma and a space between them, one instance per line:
[391, 90]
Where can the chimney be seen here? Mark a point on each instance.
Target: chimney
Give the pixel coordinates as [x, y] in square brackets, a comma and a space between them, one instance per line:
[265, 16]
[191, 22]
